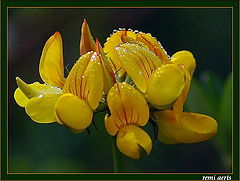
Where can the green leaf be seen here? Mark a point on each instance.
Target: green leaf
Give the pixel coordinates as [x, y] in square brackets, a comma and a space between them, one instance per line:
[198, 100]
[225, 115]
[212, 84]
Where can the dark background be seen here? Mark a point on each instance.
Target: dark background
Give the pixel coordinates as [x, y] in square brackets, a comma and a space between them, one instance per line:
[206, 32]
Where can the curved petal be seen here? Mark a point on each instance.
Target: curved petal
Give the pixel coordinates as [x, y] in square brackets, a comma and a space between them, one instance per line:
[178, 104]
[73, 112]
[131, 140]
[165, 85]
[153, 45]
[112, 124]
[109, 77]
[85, 79]
[41, 108]
[138, 62]
[191, 128]
[128, 105]
[51, 61]
[20, 98]
[87, 43]
[112, 42]
[27, 91]
[186, 58]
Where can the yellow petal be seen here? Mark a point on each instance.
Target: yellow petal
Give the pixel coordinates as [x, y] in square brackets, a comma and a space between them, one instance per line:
[186, 58]
[138, 62]
[85, 79]
[165, 85]
[73, 112]
[28, 91]
[165, 139]
[87, 43]
[109, 48]
[75, 77]
[51, 61]
[131, 140]
[153, 45]
[112, 124]
[127, 105]
[94, 82]
[41, 108]
[20, 98]
[191, 128]
[109, 77]
[178, 104]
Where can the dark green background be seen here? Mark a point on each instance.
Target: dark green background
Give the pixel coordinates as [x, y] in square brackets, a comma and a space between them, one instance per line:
[206, 32]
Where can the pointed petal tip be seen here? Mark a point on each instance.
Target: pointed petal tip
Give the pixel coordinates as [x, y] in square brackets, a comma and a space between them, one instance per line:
[97, 41]
[17, 78]
[19, 81]
[57, 33]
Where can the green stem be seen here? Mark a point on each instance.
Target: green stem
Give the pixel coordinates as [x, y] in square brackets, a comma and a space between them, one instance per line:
[117, 157]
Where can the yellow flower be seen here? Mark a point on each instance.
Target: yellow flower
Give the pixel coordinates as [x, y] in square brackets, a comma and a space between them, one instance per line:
[176, 126]
[39, 99]
[79, 93]
[87, 44]
[158, 77]
[129, 110]
[82, 93]
[160, 83]
[124, 36]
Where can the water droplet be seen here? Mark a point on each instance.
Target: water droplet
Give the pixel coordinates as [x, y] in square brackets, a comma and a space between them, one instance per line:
[122, 29]
[136, 31]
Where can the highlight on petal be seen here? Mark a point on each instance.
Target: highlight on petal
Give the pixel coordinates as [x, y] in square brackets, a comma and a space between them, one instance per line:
[108, 74]
[73, 112]
[41, 108]
[25, 92]
[112, 42]
[85, 79]
[191, 128]
[131, 140]
[153, 45]
[165, 85]
[127, 106]
[51, 61]
[138, 62]
[186, 58]
[87, 43]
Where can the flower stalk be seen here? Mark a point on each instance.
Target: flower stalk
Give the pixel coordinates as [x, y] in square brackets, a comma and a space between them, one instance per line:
[117, 157]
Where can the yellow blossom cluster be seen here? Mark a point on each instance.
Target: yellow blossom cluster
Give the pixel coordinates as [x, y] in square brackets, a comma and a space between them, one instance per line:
[134, 78]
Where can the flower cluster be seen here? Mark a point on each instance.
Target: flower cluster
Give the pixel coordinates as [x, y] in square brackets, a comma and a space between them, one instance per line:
[131, 77]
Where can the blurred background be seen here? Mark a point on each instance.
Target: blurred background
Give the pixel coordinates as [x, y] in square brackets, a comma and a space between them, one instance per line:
[206, 32]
